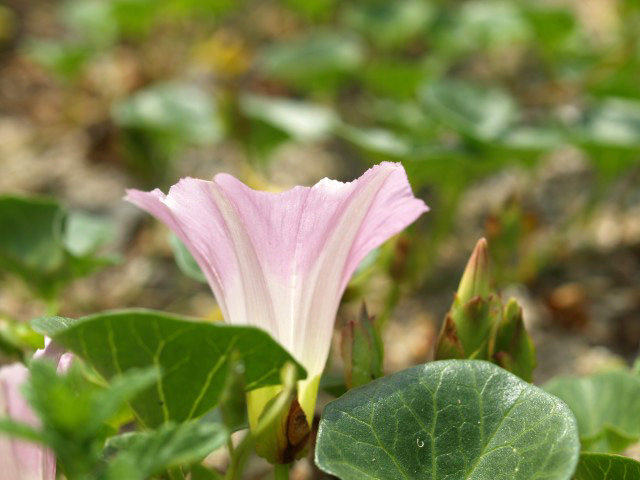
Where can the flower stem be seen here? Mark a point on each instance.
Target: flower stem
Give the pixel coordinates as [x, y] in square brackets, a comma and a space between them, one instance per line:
[239, 458]
[175, 473]
[280, 471]
[53, 306]
[241, 452]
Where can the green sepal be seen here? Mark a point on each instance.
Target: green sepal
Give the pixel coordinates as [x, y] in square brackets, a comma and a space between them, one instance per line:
[512, 347]
[362, 350]
[278, 421]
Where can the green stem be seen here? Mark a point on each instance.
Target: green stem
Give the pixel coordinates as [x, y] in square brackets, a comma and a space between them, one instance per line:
[175, 473]
[281, 472]
[230, 447]
[239, 458]
[268, 418]
[53, 305]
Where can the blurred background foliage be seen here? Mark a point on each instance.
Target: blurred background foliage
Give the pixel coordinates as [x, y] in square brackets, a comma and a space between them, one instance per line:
[517, 120]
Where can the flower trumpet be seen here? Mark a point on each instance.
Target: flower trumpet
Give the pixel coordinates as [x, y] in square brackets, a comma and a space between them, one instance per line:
[281, 261]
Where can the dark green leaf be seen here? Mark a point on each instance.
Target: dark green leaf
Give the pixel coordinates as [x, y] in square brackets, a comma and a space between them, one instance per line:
[194, 357]
[606, 407]
[455, 419]
[600, 466]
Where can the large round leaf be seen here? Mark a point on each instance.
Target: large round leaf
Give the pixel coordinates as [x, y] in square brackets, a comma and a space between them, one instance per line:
[606, 406]
[454, 419]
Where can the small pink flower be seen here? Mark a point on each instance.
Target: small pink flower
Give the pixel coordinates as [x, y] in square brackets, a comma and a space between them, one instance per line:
[21, 460]
[281, 261]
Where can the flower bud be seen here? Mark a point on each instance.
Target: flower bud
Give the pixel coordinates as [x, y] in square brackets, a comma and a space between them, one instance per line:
[475, 280]
[512, 347]
[362, 350]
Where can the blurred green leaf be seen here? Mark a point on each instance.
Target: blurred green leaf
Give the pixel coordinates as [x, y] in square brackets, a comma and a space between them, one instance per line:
[171, 445]
[450, 419]
[393, 77]
[19, 430]
[316, 58]
[195, 357]
[533, 139]
[182, 111]
[74, 412]
[378, 140]
[64, 58]
[135, 17]
[30, 244]
[552, 24]
[484, 114]
[485, 25]
[606, 407]
[315, 9]
[390, 24]
[85, 233]
[186, 263]
[200, 472]
[31, 230]
[300, 120]
[15, 337]
[92, 21]
[36, 240]
[612, 123]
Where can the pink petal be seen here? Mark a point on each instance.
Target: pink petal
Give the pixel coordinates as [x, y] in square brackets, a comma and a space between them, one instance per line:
[282, 261]
[20, 460]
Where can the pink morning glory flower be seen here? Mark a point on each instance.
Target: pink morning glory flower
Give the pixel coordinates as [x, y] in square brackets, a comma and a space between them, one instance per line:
[21, 460]
[281, 261]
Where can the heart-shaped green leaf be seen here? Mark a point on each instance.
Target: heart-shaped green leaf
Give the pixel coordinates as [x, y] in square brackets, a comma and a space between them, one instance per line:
[606, 407]
[453, 419]
[194, 357]
[601, 466]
